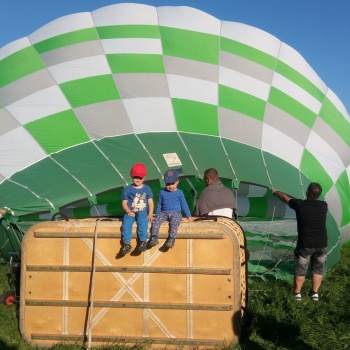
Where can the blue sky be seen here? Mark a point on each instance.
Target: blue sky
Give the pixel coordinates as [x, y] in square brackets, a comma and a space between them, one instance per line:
[318, 29]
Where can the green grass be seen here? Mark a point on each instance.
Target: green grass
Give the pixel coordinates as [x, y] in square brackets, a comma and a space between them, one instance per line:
[280, 322]
[277, 321]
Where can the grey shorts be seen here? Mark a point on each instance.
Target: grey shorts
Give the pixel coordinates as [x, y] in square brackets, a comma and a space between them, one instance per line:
[302, 257]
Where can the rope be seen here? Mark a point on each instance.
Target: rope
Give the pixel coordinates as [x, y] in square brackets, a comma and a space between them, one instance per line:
[4, 245]
[283, 256]
[92, 284]
[272, 219]
[267, 237]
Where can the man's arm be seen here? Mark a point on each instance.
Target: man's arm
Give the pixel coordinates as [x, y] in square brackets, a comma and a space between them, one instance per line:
[2, 213]
[281, 196]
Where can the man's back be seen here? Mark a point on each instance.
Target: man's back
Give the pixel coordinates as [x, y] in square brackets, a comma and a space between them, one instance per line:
[311, 220]
[215, 196]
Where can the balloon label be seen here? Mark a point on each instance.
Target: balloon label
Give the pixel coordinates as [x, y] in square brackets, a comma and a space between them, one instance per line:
[172, 159]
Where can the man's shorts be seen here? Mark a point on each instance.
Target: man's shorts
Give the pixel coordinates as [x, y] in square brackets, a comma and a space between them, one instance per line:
[302, 257]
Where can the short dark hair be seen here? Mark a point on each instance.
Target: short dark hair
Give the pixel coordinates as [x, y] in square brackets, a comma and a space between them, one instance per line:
[314, 190]
[211, 174]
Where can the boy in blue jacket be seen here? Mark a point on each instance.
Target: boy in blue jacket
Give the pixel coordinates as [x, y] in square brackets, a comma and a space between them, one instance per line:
[171, 202]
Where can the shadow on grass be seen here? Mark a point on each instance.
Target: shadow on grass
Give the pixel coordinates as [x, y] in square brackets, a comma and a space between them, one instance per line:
[267, 332]
[4, 346]
[272, 323]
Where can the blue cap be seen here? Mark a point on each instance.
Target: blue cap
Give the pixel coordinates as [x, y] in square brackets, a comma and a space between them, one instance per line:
[171, 176]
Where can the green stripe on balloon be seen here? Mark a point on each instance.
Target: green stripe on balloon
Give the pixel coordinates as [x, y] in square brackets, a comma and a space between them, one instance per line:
[300, 80]
[128, 31]
[90, 90]
[75, 37]
[248, 52]
[331, 115]
[292, 107]
[25, 61]
[135, 63]
[312, 168]
[342, 186]
[241, 102]
[191, 45]
[58, 131]
[258, 207]
[196, 117]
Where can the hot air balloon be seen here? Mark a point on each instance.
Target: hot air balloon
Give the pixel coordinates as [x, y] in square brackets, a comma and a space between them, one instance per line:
[88, 95]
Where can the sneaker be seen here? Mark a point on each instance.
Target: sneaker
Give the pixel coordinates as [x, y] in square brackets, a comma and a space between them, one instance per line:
[170, 242]
[313, 295]
[142, 246]
[153, 241]
[297, 296]
[125, 250]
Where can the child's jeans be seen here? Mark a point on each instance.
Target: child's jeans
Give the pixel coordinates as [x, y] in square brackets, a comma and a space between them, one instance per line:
[142, 226]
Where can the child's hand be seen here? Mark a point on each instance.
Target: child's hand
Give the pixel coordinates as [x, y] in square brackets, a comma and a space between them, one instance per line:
[150, 217]
[131, 213]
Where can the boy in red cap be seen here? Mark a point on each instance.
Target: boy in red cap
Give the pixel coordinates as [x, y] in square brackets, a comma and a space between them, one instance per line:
[171, 202]
[137, 202]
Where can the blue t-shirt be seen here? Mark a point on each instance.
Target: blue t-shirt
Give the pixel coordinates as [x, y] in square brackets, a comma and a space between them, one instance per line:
[137, 197]
[172, 201]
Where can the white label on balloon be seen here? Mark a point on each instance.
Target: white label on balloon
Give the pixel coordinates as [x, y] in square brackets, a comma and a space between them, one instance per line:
[172, 159]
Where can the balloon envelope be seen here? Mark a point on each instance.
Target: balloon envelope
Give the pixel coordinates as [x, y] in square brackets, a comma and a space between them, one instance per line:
[88, 95]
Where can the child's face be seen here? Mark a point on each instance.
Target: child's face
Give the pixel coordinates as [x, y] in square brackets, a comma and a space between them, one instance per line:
[137, 181]
[172, 187]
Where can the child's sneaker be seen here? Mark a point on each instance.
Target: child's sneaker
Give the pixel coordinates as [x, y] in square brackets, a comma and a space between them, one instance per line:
[313, 295]
[153, 241]
[125, 250]
[170, 242]
[142, 246]
[297, 296]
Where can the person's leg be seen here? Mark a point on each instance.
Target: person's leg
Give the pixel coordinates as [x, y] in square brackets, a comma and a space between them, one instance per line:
[318, 262]
[161, 217]
[301, 263]
[142, 226]
[126, 234]
[316, 282]
[127, 228]
[298, 283]
[174, 222]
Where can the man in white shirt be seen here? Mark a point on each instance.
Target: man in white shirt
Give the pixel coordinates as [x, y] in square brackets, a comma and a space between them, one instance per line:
[215, 199]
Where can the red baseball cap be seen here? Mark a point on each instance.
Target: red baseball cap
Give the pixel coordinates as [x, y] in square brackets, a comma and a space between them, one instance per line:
[138, 170]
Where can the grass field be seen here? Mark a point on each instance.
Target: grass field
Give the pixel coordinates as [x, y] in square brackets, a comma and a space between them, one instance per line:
[277, 321]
